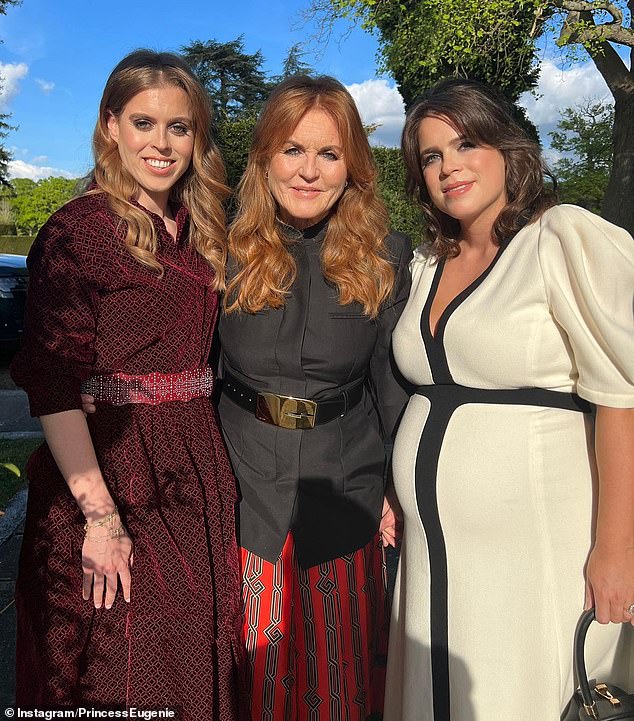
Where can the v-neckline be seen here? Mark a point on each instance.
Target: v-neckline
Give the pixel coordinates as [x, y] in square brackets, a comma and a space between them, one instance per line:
[436, 334]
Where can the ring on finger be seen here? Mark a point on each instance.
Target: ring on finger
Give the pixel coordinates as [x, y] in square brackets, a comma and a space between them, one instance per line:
[630, 609]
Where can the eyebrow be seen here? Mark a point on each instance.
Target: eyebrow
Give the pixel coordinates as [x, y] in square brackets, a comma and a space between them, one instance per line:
[435, 148]
[147, 116]
[296, 144]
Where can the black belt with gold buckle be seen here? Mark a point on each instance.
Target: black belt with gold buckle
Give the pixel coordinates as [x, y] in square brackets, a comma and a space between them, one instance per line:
[288, 411]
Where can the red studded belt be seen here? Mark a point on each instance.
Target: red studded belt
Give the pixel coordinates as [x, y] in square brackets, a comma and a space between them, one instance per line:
[118, 389]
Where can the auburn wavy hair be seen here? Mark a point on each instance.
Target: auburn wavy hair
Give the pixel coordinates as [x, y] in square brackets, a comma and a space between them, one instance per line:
[201, 188]
[484, 116]
[353, 254]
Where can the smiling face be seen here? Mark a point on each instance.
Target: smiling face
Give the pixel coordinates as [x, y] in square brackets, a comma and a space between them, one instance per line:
[308, 174]
[465, 180]
[155, 138]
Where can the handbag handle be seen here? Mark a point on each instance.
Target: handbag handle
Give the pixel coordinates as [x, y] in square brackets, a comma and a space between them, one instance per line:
[583, 624]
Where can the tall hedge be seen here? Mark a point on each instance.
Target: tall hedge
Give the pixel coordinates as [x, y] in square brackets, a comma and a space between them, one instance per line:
[405, 215]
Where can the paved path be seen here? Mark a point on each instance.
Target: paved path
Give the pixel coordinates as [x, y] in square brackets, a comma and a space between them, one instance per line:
[9, 553]
[15, 422]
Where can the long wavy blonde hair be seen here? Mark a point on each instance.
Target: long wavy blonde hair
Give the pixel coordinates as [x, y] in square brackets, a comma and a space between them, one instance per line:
[353, 253]
[201, 188]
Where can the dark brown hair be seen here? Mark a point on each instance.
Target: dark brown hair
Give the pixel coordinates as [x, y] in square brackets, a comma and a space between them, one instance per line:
[353, 254]
[486, 117]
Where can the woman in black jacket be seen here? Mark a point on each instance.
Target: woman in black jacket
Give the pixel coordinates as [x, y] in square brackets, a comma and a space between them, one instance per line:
[316, 284]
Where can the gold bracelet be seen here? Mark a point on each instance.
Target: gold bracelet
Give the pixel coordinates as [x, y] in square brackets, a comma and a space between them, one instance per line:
[105, 521]
[117, 532]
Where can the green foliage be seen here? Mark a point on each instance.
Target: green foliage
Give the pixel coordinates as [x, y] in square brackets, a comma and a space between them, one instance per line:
[405, 216]
[7, 224]
[584, 134]
[5, 3]
[585, 31]
[294, 64]
[585, 131]
[234, 138]
[33, 202]
[234, 79]
[422, 41]
[5, 155]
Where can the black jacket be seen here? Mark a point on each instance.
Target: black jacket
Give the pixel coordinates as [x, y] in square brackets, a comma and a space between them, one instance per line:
[325, 484]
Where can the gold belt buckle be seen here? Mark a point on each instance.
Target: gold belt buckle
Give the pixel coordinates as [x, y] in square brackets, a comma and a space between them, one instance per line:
[285, 411]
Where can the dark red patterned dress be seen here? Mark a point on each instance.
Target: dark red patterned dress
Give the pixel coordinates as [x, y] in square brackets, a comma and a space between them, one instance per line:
[94, 309]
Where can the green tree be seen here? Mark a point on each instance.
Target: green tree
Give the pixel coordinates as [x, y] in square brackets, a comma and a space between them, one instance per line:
[584, 135]
[234, 79]
[496, 41]
[234, 139]
[33, 202]
[422, 41]
[595, 28]
[294, 64]
[5, 155]
[4, 4]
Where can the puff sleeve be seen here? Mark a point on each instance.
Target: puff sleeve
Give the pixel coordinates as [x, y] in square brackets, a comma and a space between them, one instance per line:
[60, 320]
[390, 389]
[588, 269]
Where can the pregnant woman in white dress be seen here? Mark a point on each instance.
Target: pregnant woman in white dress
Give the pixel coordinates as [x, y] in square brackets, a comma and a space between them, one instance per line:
[518, 500]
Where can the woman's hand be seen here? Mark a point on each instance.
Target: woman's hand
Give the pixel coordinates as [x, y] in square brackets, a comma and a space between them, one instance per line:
[88, 404]
[610, 567]
[105, 563]
[388, 526]
[610, 584]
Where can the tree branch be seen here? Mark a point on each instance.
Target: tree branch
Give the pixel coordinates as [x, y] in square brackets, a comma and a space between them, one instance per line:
[612, 69]
[582, 5]
[574, 31]
[579, 27]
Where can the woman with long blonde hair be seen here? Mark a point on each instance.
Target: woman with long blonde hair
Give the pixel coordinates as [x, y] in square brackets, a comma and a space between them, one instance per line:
[315, 285]
[122, 304]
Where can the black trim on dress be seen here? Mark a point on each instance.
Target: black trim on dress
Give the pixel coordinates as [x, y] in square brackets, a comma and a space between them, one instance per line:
[445, 397]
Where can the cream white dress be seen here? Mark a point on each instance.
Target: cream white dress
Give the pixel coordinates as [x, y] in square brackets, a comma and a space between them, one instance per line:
[495, 472]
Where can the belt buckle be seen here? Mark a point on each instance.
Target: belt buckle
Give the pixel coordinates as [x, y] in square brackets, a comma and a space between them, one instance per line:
[286, 411]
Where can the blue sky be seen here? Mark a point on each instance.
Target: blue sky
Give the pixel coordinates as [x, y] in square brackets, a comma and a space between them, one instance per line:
[57, 54]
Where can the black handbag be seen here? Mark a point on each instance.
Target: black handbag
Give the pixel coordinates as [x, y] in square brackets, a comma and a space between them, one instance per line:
[595, 700]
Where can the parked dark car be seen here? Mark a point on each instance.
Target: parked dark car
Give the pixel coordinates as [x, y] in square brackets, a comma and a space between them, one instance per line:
[14, 278]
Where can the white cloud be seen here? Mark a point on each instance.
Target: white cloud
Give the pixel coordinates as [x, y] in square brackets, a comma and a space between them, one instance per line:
[559, 89]
[20, 169]
[379, 103]
[39, 159]
[10, 76]
[46, 86]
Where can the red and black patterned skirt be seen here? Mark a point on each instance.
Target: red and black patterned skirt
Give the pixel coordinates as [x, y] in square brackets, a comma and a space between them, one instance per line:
[316, 638]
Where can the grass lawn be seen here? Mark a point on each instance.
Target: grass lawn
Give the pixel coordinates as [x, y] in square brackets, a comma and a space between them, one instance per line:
[16, 452]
